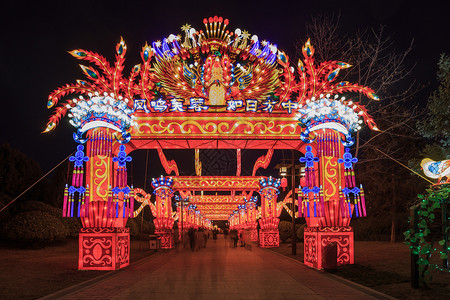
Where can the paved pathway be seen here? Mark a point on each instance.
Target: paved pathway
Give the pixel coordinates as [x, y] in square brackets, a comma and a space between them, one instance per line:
[218, 272]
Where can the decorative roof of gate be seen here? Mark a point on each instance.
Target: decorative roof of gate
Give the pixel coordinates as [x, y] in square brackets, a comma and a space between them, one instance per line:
[213, 72]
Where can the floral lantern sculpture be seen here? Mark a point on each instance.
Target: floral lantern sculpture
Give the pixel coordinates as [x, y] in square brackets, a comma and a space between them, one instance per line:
[250, 207]
[269, 235]
[163, 215]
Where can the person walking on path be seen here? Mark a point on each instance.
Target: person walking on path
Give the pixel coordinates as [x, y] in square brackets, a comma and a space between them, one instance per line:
[234, 236]
[205, 237]
[192, 237]
[241, 238]
[225, 233]
[176, 239]
[200, 240]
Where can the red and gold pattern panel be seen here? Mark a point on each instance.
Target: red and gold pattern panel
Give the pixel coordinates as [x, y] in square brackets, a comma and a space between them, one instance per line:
[219, 125]
[216, 205]
[317, 238]
[166, 239]
[215, 216]
[99, 177]
[216, 199]
[331, 177]
[310, 248]
[216, 183]
[269, 239]
[104, 248]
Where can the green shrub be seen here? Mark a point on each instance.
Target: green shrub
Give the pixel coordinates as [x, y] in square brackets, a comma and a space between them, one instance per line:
[372, 228]
[300, 231]
[37, 205]
[285, 229]
[73, 225]
[34, 228]
[134, 227]
[148, 227]
[4, 215]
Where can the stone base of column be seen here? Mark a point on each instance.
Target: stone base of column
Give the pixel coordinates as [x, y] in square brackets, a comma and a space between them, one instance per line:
[269, 238]
[166, 238]
[316, 239]
[104, 248]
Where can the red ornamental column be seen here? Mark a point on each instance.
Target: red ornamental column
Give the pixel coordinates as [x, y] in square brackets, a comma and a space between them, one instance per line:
[242, 216]
[104, 241]
[250, 206]
[269, 235]
[191, 216]
[182, 212]
[326, 209]
[163, 220]
[197, 219]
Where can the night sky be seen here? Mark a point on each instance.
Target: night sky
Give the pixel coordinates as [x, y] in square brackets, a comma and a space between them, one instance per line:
[36, 36]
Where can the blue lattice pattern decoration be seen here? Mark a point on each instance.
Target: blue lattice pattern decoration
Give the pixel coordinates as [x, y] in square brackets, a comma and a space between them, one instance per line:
[310, 192]
[122, 157]
[311, 202]
[76, 192]
[346, 195]
[350, 192]
[121, 197]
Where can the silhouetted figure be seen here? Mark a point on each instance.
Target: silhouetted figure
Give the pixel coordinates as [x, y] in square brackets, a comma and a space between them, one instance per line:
[192, 235]
[241, 239]
[234, 236]
[225, 233]
[200, 240]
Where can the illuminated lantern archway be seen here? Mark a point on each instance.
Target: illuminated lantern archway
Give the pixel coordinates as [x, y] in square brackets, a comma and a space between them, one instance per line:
[213, 89]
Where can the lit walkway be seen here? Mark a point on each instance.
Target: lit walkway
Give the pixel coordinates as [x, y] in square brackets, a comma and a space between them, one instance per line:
[218, 272]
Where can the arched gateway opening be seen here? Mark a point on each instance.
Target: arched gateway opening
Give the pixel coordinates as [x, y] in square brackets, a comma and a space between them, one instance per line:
[211, 89]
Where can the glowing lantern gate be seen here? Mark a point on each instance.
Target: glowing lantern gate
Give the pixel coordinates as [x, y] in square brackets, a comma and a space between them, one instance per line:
[213, 90]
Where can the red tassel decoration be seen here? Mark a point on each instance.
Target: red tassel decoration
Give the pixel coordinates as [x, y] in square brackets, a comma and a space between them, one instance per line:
[363, 201]
[322, 202]
[342, 203]
[357, 198]
[109, 205]
[66, 195]
[131, 202]
[86, 201]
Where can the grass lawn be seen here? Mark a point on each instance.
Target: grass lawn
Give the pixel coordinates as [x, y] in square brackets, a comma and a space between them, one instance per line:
[34, 273]
[385, 267]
